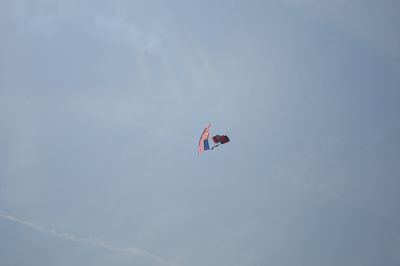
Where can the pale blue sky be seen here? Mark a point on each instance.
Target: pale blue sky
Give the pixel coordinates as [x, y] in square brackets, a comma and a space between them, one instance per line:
[102, 104]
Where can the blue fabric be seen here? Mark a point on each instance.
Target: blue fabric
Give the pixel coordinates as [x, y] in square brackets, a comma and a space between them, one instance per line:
[206, 145]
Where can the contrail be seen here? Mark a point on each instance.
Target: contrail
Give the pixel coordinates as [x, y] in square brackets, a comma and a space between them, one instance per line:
[162, 131]
[91, 241]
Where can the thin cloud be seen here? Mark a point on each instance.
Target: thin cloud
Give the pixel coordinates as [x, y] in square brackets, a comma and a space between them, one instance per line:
[120, 31]
[133, 251]
[371, 23]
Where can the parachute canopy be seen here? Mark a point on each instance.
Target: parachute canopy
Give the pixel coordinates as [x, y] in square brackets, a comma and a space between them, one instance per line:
[220, 139]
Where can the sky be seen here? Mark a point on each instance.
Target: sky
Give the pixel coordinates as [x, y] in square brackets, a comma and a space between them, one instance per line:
[102, 104]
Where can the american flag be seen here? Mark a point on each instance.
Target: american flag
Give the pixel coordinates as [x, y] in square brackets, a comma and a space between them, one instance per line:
[203, 142]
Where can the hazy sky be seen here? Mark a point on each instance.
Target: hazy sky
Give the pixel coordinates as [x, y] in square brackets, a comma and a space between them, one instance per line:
[102, 104]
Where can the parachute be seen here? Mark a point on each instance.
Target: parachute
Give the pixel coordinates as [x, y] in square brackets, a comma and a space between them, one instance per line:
[220, 139]
[217, 139]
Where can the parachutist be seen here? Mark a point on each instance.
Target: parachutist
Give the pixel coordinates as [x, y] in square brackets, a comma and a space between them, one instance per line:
[204, 144]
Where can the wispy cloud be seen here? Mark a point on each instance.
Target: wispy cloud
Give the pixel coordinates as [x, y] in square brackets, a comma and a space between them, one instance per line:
[371, 23]
[123, 32]
[133, 251]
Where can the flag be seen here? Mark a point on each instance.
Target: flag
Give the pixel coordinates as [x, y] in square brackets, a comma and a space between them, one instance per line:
[203, 142]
